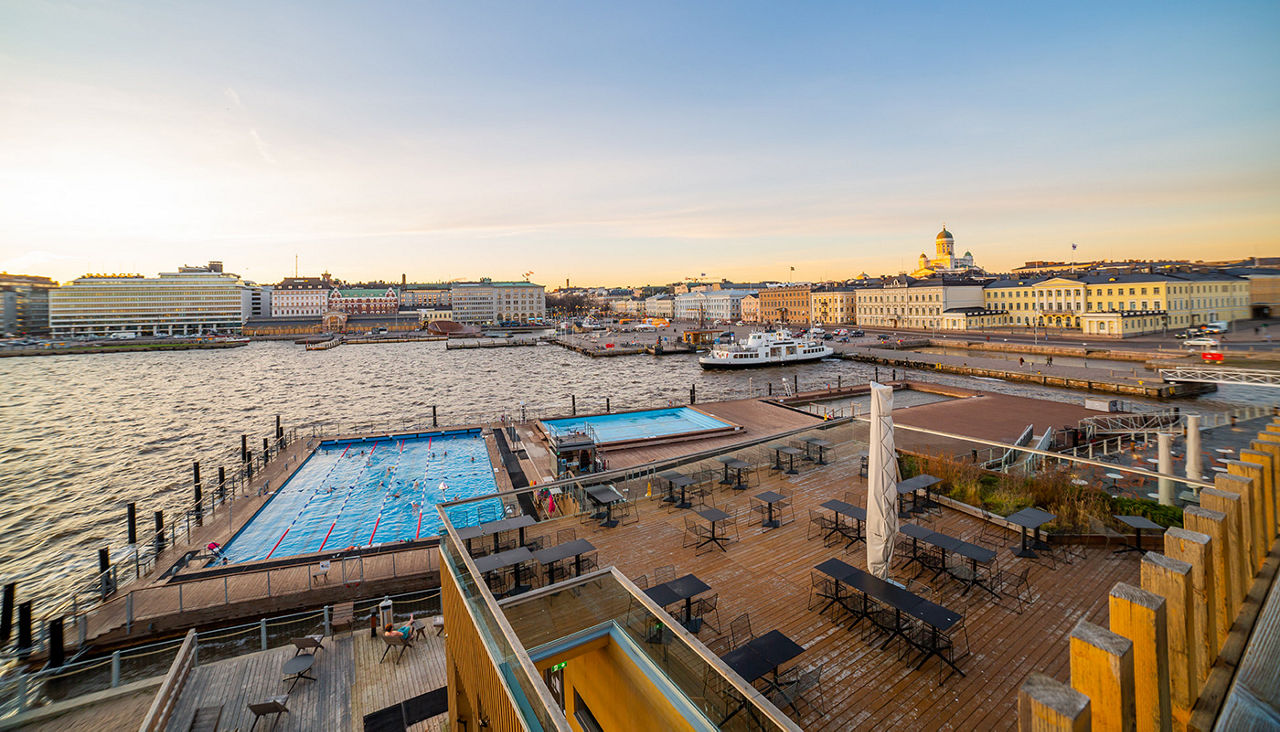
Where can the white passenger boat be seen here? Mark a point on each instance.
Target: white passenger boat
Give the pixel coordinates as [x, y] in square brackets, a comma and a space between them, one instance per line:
[764, 349]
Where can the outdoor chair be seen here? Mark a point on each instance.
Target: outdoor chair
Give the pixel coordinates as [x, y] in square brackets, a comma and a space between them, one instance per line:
[1098, 526]
[862, 466]
[931, 560]
[664, 574]
[704, 607]
[882, 619]
[758, 512]
[806, 687]
[309, 643]
[821, 588]
[1013, 584]
[274, 705]
[851, 498]
[438, 623]
[720, 645]
[821, 525]
[994, 534]
[693, 532]
[730, 525]
[589, 562]
[566, 535]
[626, 513]
[508, 542]
[344, 616]
[923, 636]
[641, 582]
[534, 543]
[321, 570]
[500, 582]
[740, 629]
[394, 640]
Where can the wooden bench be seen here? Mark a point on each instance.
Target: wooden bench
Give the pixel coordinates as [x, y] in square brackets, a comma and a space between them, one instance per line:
[394, 640]
[308, 643]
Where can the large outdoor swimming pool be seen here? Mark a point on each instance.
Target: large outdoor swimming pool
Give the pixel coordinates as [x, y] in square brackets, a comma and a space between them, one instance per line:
[354, 493]
[649, 424]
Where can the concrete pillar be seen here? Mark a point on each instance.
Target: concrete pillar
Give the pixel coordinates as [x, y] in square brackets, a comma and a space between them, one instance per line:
[1228, 504]
[1213, 524]
[1140, 616]
[1196, 549]
[1254, 513]
[1171, 579]
[1102, 669]
[1267, 471]
[1048, 705]
[1164, 442]
[1193, 448]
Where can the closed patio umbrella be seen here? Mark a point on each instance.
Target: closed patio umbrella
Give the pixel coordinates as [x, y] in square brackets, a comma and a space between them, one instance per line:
[882, 484]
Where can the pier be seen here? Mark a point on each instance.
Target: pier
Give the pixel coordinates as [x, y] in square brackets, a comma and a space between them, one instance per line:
[1106, 381]
[465, 343]
[121, 347]
[597, 350]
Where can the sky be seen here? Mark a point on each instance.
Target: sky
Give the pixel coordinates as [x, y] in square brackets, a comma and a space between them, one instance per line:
[611, 143]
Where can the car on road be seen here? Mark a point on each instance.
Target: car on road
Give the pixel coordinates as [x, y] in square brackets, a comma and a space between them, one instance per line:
[1217, 326]
[1202, 343]
[856, 333]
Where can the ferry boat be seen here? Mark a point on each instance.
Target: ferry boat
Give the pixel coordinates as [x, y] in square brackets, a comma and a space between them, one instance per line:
[764, 349]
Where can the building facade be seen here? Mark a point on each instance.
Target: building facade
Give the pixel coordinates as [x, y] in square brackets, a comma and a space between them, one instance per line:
[191, 301]
[24, 304]
[750, 307]
[414, 296]
[905, 302]
[489, 303]
[301, 297]
[710, 305]
[660, 306]
[785, 305]
[364, 301]
[834, 305]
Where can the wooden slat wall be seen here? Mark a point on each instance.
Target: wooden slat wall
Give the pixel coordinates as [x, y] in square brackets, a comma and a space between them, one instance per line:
[471, 670]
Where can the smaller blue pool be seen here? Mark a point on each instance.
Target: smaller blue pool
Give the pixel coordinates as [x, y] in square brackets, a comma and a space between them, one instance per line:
[646, 425]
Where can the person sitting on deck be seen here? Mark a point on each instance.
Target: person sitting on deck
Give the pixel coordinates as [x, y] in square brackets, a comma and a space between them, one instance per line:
[404, 632]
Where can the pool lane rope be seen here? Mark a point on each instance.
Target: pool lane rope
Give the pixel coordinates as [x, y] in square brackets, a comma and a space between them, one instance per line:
[391, 491]
[309, 500]
[350, 491]
[422, 491]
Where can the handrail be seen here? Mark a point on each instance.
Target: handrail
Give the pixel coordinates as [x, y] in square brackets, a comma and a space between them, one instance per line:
[162, 706]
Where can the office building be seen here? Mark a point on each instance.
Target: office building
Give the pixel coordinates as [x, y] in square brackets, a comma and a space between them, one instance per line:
[24, 304]
[490, 303]
[191, 301]
[301, 297]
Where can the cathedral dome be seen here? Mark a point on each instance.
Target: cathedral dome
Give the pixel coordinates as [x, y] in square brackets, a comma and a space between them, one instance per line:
[945, 236]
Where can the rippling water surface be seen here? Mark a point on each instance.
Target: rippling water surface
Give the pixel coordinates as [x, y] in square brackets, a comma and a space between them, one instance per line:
[81, 436]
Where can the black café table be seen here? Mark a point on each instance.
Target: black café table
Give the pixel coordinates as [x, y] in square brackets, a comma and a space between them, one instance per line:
[496, 528]
[769, 498]
[732, 463]
[297, 667]
[681, 588]
[1030, 519]
[857, 513]
[1139, 524]
[713, 516]
[910, 487]
[821, 444]
[790, 452]
[681, 481]
[551, 555]
[974, 553]
[501, 560]
[760, 657]
[606, 496]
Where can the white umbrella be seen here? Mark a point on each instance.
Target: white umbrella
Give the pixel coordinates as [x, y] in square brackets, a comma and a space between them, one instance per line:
[882, 483]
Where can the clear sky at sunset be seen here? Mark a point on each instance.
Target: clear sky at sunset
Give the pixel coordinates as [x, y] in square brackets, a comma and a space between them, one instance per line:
[616, 143]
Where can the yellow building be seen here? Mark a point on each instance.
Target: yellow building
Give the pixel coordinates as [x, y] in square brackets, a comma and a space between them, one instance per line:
[786, 305]
[833, 305]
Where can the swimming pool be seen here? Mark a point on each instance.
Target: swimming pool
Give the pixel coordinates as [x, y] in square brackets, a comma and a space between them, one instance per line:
[645, 425]
[354, 493]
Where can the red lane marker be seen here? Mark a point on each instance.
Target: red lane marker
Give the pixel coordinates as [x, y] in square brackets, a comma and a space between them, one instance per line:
[418, 533]
[344, 452]
[375, 529]
[277, 546]
[326, 535]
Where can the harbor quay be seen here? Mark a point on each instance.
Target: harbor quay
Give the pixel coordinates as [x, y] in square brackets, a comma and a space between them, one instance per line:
[257, 556]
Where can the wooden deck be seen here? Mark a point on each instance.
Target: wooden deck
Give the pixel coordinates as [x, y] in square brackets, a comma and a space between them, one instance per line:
[350, 682]
[767, 575]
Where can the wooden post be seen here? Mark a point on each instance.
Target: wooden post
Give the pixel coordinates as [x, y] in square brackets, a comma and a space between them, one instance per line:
[1140, 616]
[1171, 579]
[1266, 472]
[131, 522]
[1261, 536]
[1196, 549]
[1214, 525]
[1102, 669]
[1242, 487]
[1048, 705]
[1228, 504]
[1272, 448]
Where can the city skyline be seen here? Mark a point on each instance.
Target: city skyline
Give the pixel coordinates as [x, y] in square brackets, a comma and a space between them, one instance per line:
[646, 145]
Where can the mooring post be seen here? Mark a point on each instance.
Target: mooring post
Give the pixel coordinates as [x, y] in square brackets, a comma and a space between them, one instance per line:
[606, 405]
[266, 450]
[57, 653]
[795, 383]
[433, 415]
[198, 493]
[6, 612]
[131, 522]
[159, 520]
[770, 385]
[573, 404]
[838, 380]
[693, 393]
[244, 448]
[222, 483]
[104, 571]
[279, 429]
[877, 374]
[24, 629]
